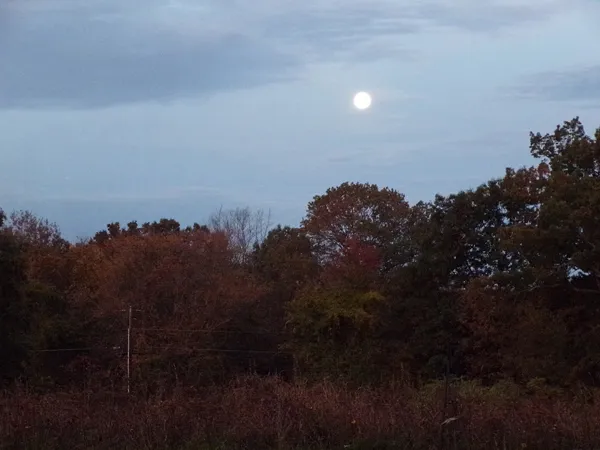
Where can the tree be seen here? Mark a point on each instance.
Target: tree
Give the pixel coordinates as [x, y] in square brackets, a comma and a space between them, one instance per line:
[357, 233]
[454, 240]
[43, 248]
[31, 230]
[285, 257]
[243, 227]
[334, 332]
[284, 262]
[565, 238]
[513, 333]
[184, 284]
[561, 243]
[358, 266]
[546, 293]
[34, 314]
[359, 213]
[164, 226]
[13, 319]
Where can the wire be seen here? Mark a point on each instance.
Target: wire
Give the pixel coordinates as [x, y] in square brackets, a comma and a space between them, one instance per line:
[217, 350]
[135, 352]
[74, 349]
[207, 331]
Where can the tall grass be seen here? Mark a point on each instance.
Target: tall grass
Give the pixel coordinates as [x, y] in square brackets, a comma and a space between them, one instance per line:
[259, 413]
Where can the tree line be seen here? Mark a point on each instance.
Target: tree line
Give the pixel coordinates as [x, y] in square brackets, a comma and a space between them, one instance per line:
[499, 282]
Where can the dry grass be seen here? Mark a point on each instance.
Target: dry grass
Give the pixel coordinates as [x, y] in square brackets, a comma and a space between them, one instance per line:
[263, 413]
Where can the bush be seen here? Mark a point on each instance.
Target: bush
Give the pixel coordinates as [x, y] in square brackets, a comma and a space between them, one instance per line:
[269, 413]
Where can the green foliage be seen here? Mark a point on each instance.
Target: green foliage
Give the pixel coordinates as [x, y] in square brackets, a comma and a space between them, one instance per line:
[333, 331]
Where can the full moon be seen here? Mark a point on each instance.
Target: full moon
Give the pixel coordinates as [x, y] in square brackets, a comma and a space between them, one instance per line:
[362, 100]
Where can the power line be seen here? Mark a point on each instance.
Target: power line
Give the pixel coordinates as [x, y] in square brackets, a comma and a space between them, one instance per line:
[200, 350]
[235, 354]
[155, 351]
[258, 333]
[73, 349]
[218, 350]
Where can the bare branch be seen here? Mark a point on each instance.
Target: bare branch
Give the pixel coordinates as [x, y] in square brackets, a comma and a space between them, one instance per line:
[243, 227]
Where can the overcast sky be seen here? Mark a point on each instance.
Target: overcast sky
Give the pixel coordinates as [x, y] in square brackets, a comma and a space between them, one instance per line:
[113, 110]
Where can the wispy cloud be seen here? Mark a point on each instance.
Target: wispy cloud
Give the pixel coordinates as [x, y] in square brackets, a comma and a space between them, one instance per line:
[580, 86]
[172, 193]
[491, 15]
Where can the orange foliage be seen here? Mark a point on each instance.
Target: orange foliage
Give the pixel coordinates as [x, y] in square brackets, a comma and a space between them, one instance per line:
[187, 279]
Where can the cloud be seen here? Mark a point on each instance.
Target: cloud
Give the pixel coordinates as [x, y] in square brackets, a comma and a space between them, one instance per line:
[581, 86]
[353, 31]
[89, 54]
[78, 60]
[164, 193]
[374, 29]
[490, 15]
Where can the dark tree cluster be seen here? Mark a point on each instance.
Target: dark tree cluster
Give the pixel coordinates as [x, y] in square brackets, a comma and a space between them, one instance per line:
[501, 282]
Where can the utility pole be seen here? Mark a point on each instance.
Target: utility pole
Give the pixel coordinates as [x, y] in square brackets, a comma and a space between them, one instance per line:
[129, 350]
[129, 330]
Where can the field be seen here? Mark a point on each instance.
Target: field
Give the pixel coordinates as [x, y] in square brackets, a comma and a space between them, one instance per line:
[257, 413]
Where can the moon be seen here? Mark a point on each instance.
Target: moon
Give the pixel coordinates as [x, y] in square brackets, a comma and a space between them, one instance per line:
[362, 100]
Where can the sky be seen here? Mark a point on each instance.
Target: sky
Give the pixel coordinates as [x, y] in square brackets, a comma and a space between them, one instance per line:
[120, 110]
